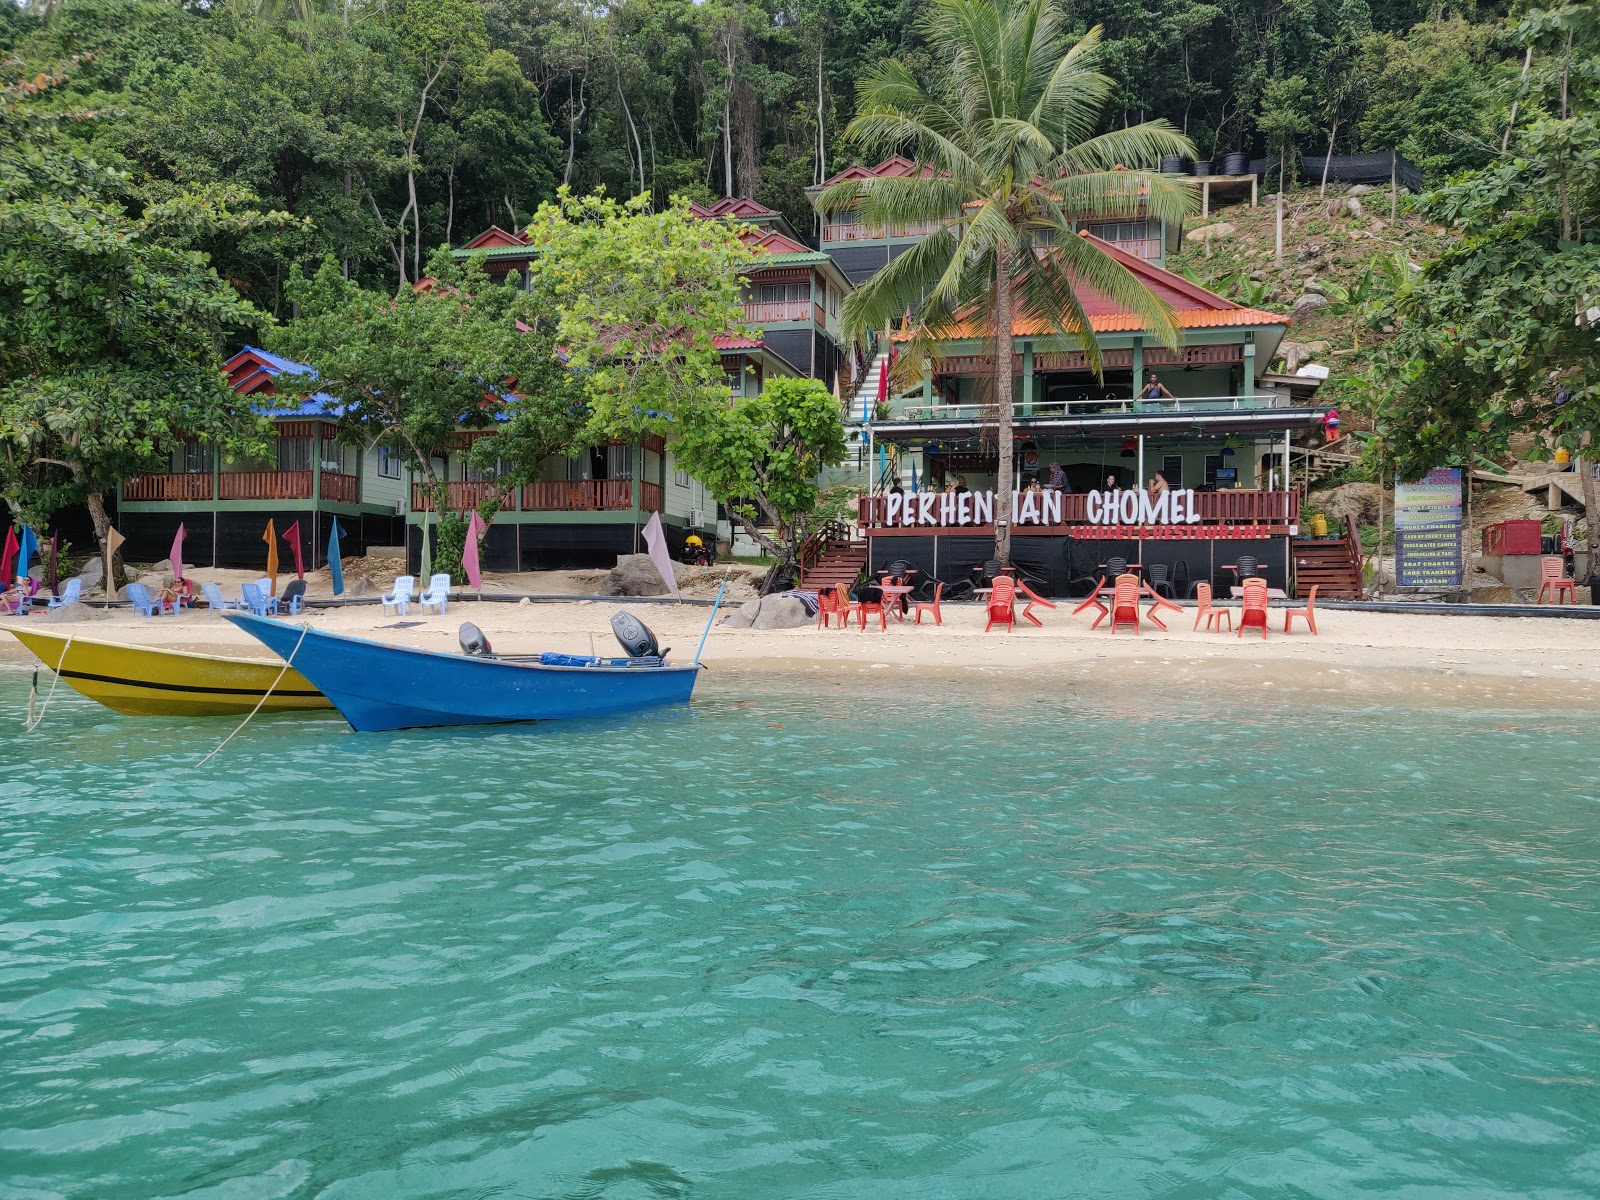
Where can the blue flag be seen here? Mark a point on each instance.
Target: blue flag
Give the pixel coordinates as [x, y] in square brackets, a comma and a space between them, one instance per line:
[27, 547]
[335, 563]
[914, 487]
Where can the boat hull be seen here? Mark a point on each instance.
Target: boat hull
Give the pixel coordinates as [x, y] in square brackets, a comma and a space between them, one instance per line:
[378, 686]
[141, 681]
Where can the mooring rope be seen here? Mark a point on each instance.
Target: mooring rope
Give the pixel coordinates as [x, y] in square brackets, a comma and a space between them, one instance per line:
[33, 722]
[287, 663]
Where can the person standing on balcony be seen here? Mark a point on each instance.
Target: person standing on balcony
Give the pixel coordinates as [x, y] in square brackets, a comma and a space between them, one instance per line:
[1058, 478]
[1155, 390]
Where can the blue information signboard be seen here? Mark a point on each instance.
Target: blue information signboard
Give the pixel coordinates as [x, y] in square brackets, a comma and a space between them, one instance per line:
[1427, 531]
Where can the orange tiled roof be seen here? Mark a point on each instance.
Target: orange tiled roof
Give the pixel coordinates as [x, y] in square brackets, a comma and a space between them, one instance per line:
[732, 206]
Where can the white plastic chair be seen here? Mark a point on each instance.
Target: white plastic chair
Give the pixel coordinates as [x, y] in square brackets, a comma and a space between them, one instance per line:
[437, 595]
[400, 598]
[69, 594]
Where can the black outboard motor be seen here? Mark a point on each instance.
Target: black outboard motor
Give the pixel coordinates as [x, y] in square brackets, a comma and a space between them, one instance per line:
[636, 640]
[473, 643]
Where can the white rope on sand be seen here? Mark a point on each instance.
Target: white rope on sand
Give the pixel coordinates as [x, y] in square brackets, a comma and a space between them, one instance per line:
[287, 663]
[33, 722]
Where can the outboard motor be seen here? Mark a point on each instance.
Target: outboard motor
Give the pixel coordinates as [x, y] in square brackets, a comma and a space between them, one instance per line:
[473, 643]
[636, 640]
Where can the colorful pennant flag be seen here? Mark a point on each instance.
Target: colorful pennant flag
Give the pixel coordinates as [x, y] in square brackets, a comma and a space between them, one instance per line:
[177, 553]
[292, 536]
[270, 537]
[54, 578]
[27, 547]
[335, 560]
[8, 558]
[114, 542]
[469, 552]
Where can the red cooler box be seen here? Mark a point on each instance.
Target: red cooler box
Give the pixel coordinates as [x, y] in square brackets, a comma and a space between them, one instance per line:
[1512, 537]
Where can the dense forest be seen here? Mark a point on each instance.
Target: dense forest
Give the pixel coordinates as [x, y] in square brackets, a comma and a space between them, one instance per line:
[388, 128]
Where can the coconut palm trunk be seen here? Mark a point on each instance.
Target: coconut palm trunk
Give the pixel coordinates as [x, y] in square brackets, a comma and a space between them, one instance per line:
[1004, 484]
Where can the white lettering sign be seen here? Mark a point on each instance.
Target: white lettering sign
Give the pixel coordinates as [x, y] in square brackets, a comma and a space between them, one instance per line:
[1125, 507]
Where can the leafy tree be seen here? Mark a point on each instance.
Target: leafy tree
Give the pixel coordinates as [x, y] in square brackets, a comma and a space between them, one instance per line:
[413, 368]
[110, 322]
[640, 295]
[1013, 160]
[761, 456]
[1511, 310]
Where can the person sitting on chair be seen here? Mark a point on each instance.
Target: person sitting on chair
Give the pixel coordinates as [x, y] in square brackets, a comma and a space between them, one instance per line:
[18, 599]
[178, 594]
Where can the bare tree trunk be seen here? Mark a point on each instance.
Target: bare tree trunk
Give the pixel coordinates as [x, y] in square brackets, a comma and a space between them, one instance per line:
[96, 504]
[450, 202]
[636, 148]
[574, 115]
[822, 129]
[1002, 395]
[1527, 61]
[727, 125]
[1328, 160]
[1591, 512]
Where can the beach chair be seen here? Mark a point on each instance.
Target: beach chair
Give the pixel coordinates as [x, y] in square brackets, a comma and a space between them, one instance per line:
[258, 601]
[1125, 602]
[400, 598]
[1034, 601]
[932, 606]
[1157, 603]
[1255, 607]
[865, 605]
[293, 598]
[1213, 616]
[437, 594]
[1003, 605]
[139, 597]
[18, 601]
[1308, 614]
[827, 607]
[1093, 601]
[69, 594]
[218, 602]
[1158, 577]
[1553, 579]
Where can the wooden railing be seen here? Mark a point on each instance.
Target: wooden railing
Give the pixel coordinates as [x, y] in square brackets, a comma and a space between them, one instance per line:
[192, 485]
[459, 496]
[265, 485]
[652, 496]
[770, 312]
[341, 488]
[1228, 507]
[854, 231]
[578, 495]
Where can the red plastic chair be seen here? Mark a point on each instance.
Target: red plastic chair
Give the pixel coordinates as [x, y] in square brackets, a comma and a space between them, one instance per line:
[1308, 614]
[930, 606]
[1093, 601]
[1255, 607]
[1553, 579]
[1213, 616]
[1034, 600]
[1002, 605]
[1125, 602]
[827, 608]
[863, 607]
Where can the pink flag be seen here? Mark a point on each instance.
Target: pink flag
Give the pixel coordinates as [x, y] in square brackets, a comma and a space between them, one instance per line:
[292, 536]
[656, 540]
[177, 553]
[469, 552]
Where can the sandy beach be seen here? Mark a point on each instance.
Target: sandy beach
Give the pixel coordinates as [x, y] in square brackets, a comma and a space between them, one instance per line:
[1378, 657]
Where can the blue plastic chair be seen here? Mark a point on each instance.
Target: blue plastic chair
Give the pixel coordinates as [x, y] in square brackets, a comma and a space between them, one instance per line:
[69, 594]
[139, 597]
[437, 594]
[257, 601]
[218, 602]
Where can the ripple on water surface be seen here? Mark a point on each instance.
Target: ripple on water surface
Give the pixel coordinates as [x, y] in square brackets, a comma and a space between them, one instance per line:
[814, 943]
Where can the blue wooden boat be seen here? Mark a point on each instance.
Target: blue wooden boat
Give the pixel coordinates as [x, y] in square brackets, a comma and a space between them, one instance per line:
[378, 686]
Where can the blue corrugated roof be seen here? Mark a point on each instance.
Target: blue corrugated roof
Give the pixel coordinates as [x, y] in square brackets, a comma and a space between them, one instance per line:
[318, 404]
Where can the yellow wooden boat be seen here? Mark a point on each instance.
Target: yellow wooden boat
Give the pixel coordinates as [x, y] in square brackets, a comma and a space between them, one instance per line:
[146, 682]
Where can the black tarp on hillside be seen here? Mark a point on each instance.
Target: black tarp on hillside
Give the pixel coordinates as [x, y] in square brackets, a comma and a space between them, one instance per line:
[1349, 168]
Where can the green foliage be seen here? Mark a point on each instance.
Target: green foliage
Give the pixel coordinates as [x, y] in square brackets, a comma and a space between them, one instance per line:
[110, 320]
[639, 296]
[761, 456]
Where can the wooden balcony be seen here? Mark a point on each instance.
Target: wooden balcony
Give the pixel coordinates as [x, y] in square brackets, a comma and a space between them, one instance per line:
[194, 485]
[265, 485]
[776, 312]
[651, 497]
[459, 496]
[579, 495]
[852, 231]
[341, 489]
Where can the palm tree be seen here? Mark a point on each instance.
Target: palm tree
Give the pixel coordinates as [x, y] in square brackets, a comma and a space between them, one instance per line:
[1011, 157]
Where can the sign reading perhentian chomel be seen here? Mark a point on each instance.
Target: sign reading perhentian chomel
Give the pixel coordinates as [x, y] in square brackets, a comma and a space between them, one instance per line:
[1427, 531]
[1130, 507]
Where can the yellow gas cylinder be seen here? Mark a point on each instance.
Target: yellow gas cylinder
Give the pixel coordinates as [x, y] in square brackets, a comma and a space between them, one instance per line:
[1319, 525]
[1563, 456]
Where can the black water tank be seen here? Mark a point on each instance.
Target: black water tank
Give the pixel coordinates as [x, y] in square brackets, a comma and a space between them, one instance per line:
[1201, 168]
[1235, 163]
[1172, 164]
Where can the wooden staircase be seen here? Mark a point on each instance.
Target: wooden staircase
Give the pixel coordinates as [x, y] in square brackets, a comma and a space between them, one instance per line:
[838, 562]
[1330, 564]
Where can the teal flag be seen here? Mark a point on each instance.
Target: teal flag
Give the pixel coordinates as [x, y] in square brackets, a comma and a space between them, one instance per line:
[26, 549]
[335, 562]
[427, 553]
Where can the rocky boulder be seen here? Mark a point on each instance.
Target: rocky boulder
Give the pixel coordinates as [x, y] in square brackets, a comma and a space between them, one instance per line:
[93, 574]
[1207, 234]
[770, 612]
[636, 575]
[1359, 500]
[1306, 305]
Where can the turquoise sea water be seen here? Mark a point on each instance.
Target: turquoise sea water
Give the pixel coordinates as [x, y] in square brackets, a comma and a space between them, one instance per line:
[804, 943]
